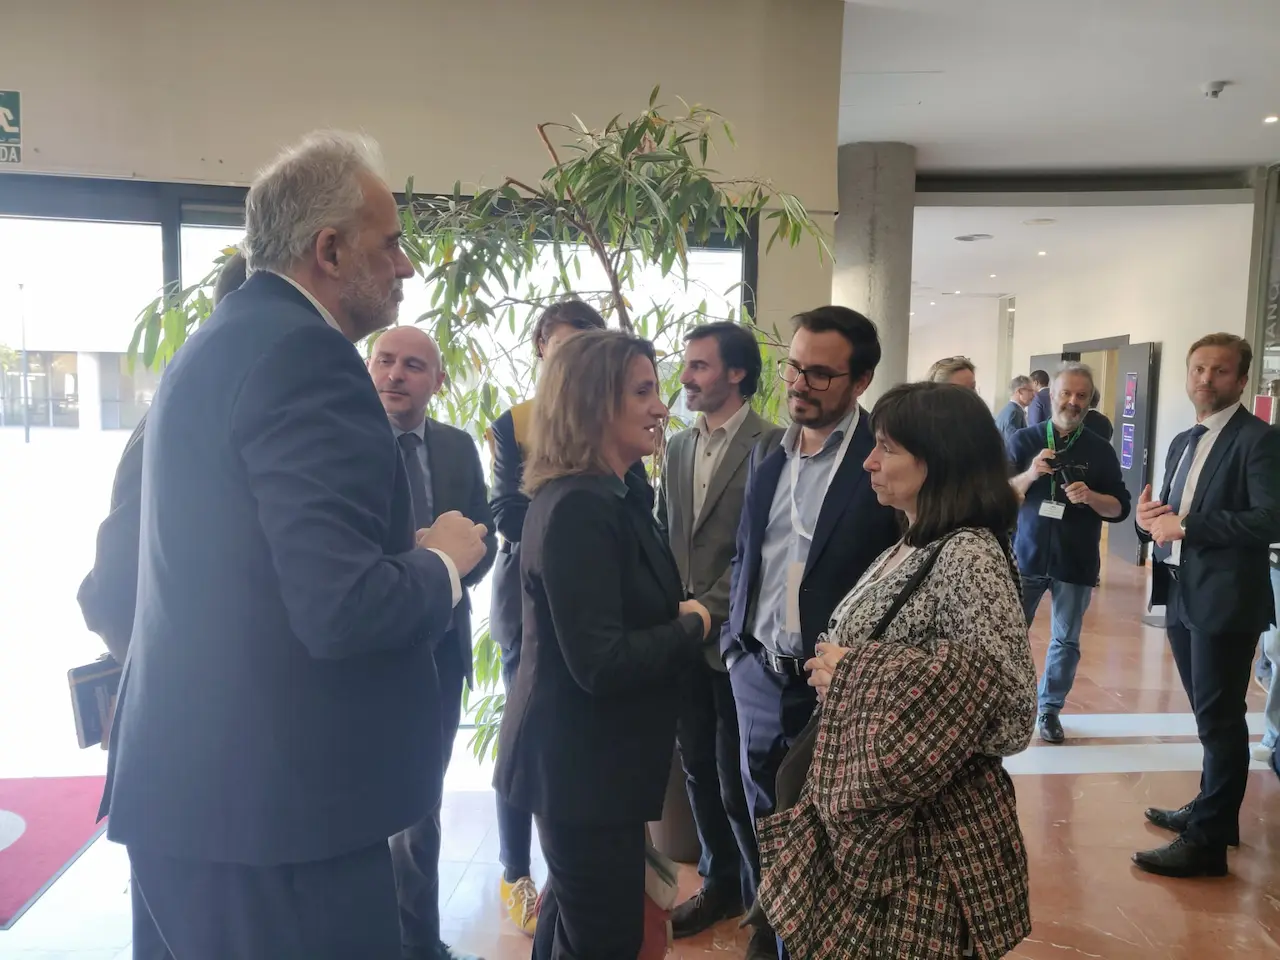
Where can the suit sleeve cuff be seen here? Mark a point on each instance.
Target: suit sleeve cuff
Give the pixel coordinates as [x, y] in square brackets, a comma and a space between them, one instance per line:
[455, 581]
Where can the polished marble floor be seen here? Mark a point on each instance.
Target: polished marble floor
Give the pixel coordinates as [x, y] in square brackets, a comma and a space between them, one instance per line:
[1132, 745]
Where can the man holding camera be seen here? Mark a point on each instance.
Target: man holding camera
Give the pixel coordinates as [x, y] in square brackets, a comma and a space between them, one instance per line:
[1070, 481]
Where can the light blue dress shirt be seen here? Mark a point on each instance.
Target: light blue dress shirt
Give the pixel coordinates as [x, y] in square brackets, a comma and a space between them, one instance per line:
[783, 545]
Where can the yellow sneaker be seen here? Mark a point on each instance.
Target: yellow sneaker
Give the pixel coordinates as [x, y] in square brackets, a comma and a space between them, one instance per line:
[521, 901]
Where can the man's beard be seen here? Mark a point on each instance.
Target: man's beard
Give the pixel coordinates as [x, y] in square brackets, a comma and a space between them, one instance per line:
[1214, 401]
[1069, 420]
[368, 307]
[819, 415]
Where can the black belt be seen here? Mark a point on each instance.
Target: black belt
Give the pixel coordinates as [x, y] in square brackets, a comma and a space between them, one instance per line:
[506, 546]
[787, 666]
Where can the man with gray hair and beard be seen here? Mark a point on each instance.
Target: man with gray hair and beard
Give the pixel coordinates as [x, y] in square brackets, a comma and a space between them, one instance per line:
[1070, 481]
[280, 685]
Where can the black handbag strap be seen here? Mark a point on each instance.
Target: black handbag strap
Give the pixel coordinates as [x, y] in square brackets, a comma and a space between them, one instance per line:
[909, 589]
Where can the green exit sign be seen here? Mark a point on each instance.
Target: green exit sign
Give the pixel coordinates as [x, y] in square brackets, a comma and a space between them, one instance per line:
[10, 126]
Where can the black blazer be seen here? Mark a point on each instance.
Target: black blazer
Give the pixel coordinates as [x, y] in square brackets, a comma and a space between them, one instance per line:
[457, 483]
[108, 594]
[1224, 573]
[853, 529]
[588, 732]
[508, 439]
[279, 698]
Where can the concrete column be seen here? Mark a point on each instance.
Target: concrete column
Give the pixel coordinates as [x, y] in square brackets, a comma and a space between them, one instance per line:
[89, 389]
[877, 186]
[1004, 349]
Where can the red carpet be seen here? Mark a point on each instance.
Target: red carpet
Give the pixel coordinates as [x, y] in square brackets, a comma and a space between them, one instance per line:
[45, 824]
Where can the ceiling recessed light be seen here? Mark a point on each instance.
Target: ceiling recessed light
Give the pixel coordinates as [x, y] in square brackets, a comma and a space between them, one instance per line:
[993, 276]
[970, 237]
[933, 303]
[1012, 310]
[1271, 119]
[1039, 221]
[1042, 253]
[957, 293]
[913, 313]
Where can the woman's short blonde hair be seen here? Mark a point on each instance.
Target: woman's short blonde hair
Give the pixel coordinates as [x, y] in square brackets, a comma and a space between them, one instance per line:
[943, 370]
[580, 393]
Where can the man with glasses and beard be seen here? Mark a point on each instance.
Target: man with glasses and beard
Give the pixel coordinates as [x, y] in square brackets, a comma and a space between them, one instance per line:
[1070, 481]
[810, 527]
[279, 690]
[1217, 514]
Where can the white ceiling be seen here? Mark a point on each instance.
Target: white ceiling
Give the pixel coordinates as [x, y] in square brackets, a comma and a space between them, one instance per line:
[1064, 85]
[1080, 242]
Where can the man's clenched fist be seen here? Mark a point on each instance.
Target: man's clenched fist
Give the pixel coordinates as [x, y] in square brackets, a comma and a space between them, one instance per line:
[457, 538]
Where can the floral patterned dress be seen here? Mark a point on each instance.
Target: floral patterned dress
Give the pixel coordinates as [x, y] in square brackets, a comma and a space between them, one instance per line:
[905, 842]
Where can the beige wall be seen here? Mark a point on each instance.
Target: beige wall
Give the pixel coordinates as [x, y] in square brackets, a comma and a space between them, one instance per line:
[452, 89]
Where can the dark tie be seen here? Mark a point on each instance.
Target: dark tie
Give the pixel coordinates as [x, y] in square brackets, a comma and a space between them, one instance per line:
[1180, 483]
[422, 513]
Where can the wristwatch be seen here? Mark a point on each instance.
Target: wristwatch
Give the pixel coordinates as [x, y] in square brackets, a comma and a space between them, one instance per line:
[1182, 524]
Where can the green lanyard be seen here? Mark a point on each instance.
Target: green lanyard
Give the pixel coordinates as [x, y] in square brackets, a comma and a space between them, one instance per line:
[1052, 444]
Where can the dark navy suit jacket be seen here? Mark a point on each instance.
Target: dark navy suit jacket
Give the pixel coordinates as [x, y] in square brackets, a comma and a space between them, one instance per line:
[853, 529]
[279, 694]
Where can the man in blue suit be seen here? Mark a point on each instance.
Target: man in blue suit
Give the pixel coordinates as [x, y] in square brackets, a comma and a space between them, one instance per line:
[810, 526]
[279, 686]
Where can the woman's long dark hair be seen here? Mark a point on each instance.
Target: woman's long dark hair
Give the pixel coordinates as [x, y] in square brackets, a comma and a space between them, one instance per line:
[951, 430]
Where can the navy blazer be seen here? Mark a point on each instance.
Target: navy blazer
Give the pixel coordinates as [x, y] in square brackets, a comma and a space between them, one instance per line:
[1225, 570]
[279, 696]
[853, 529]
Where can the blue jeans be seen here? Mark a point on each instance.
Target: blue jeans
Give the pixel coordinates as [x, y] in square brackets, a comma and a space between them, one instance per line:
[1070, 601]
[1271, 650]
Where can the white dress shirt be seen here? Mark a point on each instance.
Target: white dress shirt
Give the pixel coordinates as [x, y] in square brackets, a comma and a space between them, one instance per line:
[708, 452]
[455, 581]
[1213, 425]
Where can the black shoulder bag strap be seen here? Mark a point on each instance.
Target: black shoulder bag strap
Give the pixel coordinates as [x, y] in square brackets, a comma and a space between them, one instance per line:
[794, 769]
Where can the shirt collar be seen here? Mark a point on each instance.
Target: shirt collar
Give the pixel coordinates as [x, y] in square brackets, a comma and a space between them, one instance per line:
[729, 427]
[791, 439]
[420, 430]
[325, 314]
[1215, 422]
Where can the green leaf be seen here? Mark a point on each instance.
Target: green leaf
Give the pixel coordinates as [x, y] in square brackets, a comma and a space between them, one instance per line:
[653, 96]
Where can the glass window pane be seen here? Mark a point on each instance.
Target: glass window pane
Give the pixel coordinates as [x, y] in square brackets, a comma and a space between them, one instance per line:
[201, 246]
[83, 285]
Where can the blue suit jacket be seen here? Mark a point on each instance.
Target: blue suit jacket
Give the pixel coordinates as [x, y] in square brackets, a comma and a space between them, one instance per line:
[279, 694]
[853, 529]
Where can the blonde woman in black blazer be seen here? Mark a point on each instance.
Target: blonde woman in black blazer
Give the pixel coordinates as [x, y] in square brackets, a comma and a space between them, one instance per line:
[588, 731]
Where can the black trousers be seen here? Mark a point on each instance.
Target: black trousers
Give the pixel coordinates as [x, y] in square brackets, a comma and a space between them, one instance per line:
[593, 903]
[1215, 670]
[327, 910]
[711, 754]
[415, 852]
[515, 826]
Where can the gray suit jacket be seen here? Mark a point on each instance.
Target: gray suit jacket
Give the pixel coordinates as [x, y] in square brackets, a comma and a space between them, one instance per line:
[704, 546]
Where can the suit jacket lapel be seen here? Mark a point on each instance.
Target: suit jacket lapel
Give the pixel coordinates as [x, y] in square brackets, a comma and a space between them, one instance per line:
[682, 491]
[843, 488]
[1176, 449]
[1217, 454]
[734, 457]
[442, 499]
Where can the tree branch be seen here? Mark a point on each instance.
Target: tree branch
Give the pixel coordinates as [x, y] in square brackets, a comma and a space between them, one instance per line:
[593, 240]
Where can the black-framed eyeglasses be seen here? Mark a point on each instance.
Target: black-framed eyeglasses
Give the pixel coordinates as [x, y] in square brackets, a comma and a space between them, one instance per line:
[791, 372]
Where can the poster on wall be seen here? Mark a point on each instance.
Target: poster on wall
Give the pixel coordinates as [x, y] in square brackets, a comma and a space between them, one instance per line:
[1130, 395]
[1126, 442]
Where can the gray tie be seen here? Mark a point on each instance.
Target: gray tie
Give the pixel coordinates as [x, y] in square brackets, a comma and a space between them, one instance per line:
[423, 516]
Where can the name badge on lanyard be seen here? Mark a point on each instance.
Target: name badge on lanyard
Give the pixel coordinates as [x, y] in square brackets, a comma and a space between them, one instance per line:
[795, 569]
[1052, 508]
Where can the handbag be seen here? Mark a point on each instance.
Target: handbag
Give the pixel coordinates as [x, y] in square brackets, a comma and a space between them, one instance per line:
[794, 769]
[661, 880]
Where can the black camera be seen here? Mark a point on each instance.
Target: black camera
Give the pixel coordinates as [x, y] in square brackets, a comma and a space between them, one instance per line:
[1068, 473]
